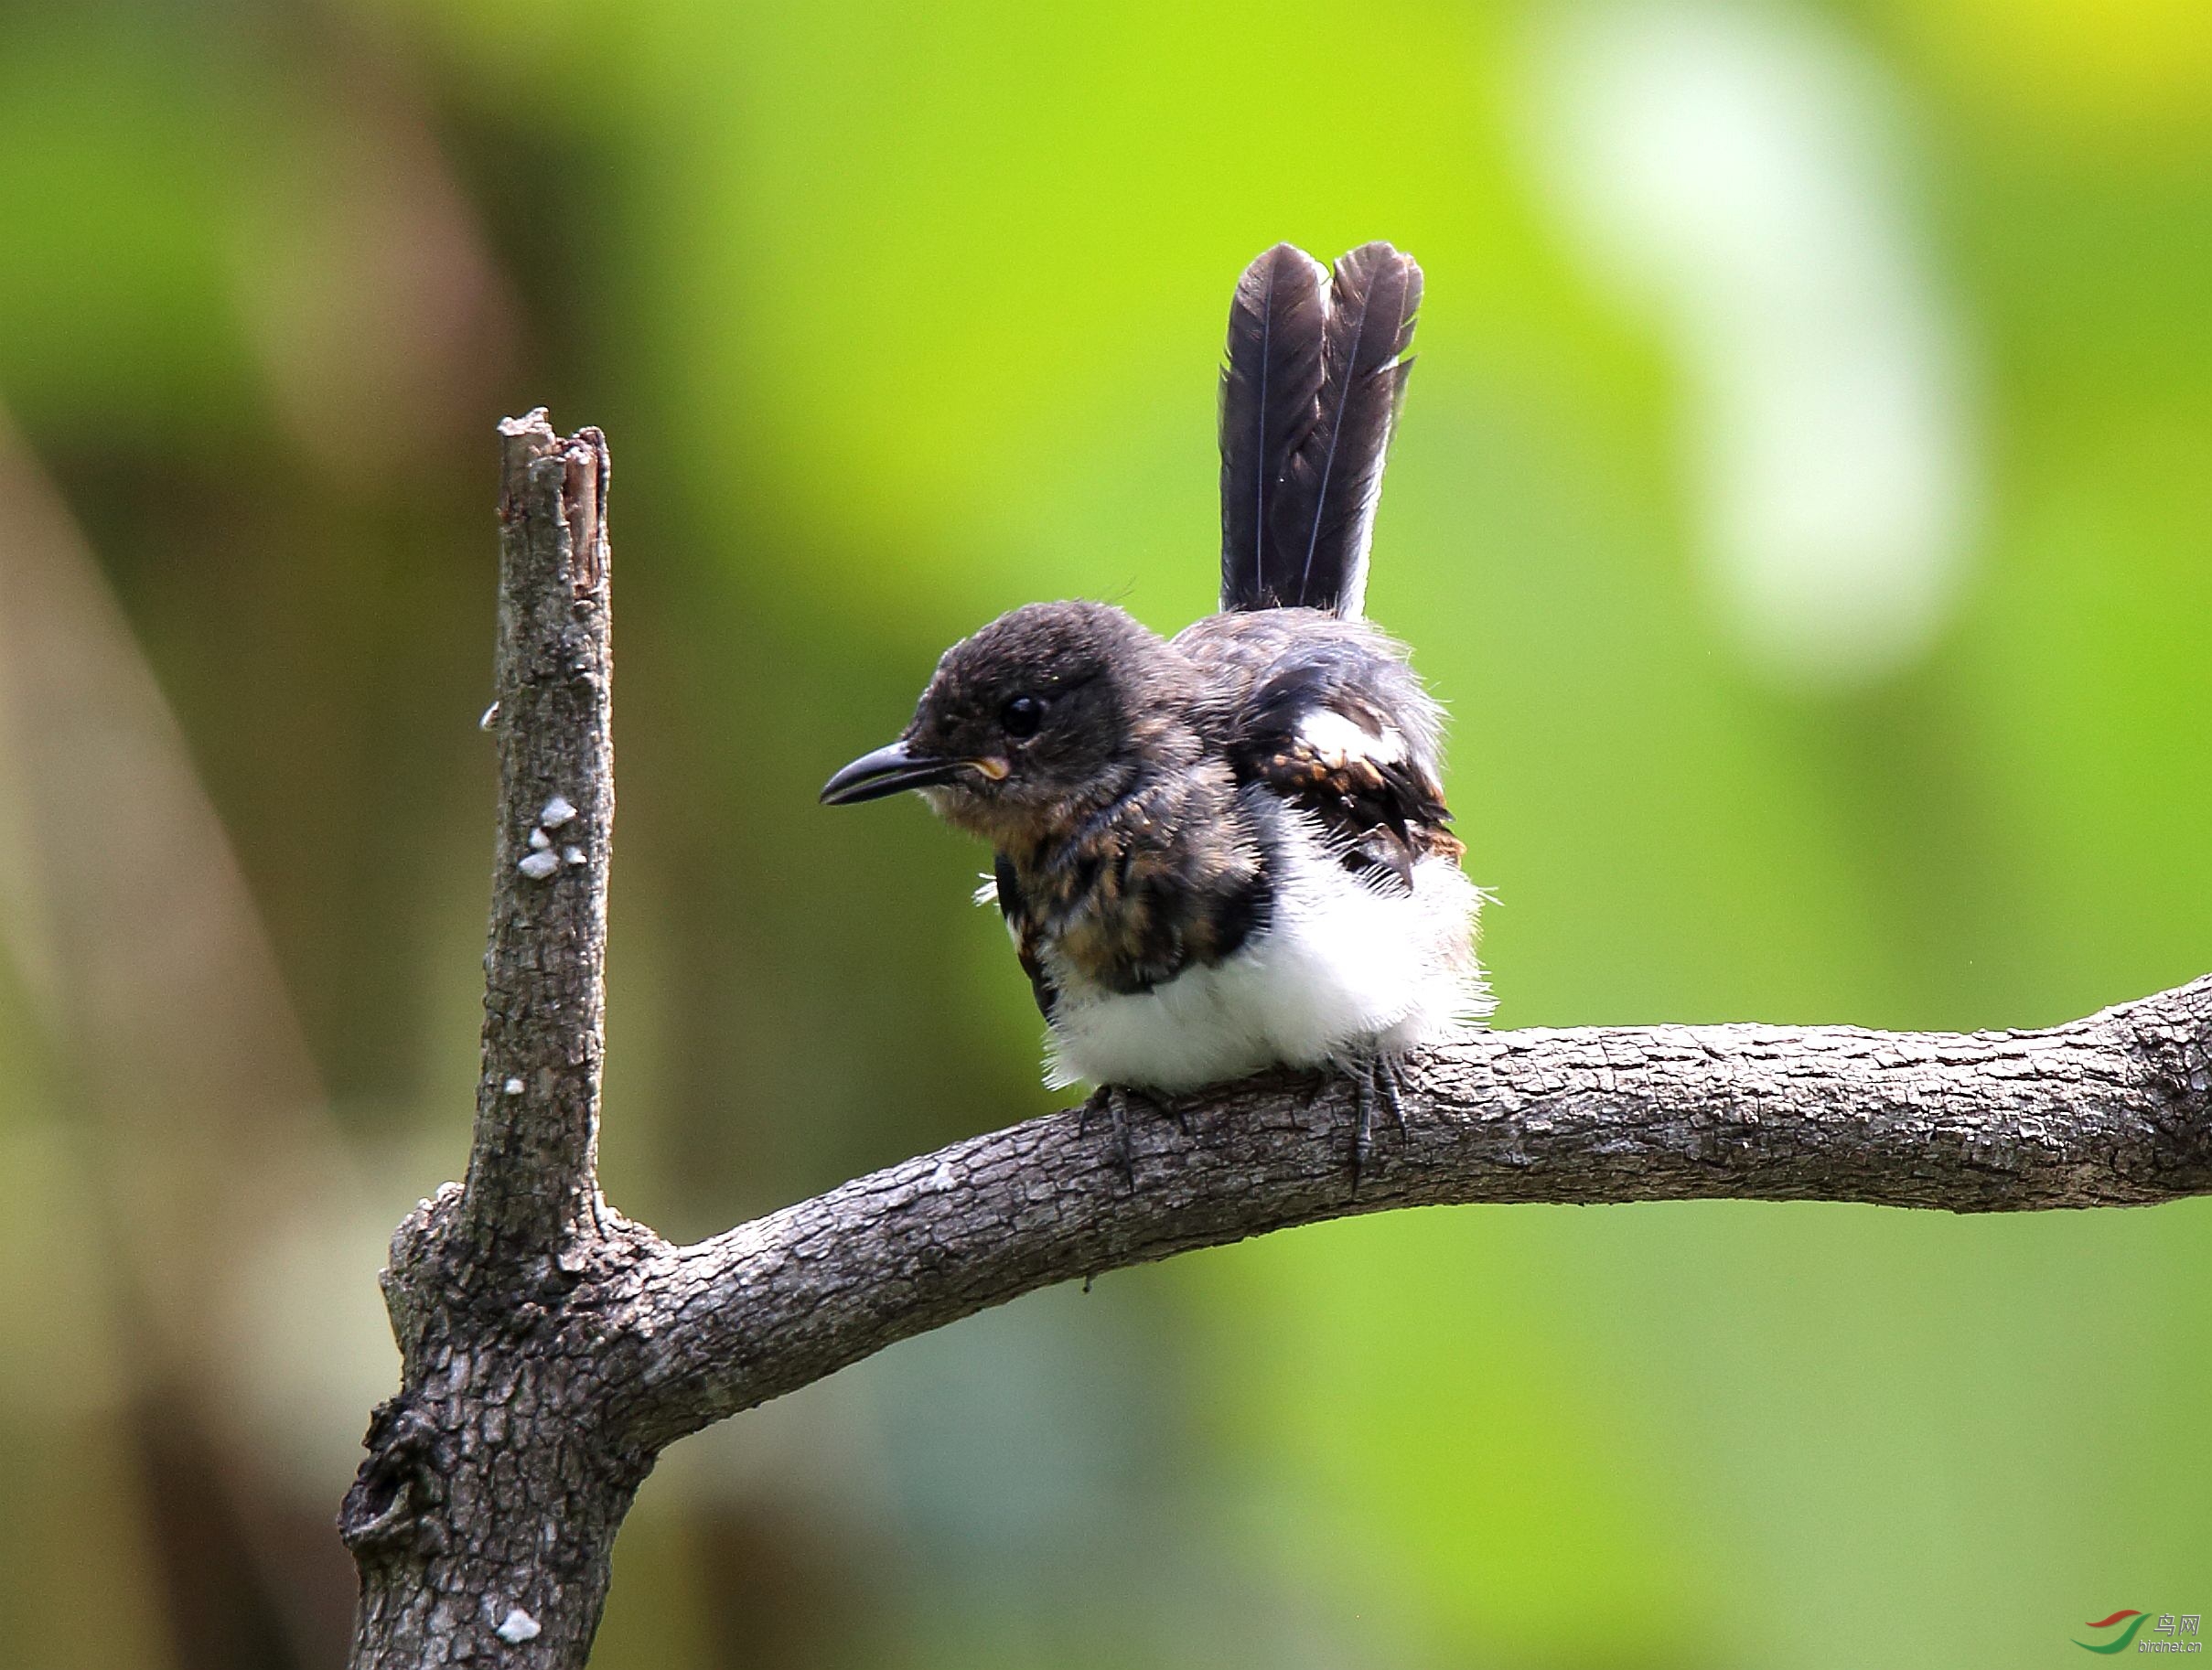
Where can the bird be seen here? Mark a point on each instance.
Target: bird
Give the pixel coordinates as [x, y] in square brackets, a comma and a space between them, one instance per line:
[1226, 850]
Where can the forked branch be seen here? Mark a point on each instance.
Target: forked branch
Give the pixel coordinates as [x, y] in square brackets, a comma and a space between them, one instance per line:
[551, 1348]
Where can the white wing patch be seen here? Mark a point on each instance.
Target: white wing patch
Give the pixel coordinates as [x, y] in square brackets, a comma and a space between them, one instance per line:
[1336, 739]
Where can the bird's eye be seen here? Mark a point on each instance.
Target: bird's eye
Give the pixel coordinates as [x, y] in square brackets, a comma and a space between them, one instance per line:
[1021, 716]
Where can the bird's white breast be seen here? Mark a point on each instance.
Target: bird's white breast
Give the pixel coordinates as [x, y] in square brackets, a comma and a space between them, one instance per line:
[1342, 970]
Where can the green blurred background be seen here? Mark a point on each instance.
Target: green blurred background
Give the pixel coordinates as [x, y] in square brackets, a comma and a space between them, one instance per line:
[1805, 503]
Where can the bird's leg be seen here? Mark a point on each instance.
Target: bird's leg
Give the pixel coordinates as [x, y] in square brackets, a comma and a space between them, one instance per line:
[1117, 1105]
[1390, 1079]
[1115, 1101]
[1377, 1082]
[1100, 1101]
[1363, 1095]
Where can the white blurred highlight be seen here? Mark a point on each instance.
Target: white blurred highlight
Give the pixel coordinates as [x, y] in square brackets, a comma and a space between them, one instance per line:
[1730, 169]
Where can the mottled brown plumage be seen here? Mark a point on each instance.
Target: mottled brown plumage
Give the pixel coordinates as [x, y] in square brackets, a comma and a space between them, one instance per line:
[1126, 850]
[1120, 841]
[1233, 847]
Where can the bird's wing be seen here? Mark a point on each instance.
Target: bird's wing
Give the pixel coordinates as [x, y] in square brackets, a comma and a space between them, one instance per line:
[1023, 928]
[1345, 734]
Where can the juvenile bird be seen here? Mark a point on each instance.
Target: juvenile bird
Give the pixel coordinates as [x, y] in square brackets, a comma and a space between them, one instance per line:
[1227, 850]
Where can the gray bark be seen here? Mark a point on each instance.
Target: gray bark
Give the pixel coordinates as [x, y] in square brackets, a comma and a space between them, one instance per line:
[490, 1497]
[552, 1348]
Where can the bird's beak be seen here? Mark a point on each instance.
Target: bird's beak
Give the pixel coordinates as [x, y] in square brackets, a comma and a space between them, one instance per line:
[886, 772]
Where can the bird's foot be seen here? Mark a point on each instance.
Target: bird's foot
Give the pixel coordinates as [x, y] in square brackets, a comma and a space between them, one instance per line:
[1378, 1085]
[1117, 1102]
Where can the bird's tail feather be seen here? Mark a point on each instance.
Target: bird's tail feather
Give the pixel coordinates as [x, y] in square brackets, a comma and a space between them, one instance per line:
[1270, 404]
[1310, 394]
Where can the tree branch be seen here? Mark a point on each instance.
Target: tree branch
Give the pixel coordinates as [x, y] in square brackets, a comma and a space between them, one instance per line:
[551, 1349]
[483, 1518]
[532, 1164]
[2111, 1110]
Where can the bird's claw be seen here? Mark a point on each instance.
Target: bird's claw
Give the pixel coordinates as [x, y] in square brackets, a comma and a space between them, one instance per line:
[1112, 1100]
[1377, 1083]
[1117, 1102]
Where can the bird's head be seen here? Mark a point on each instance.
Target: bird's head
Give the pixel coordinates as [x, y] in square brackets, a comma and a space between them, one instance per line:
[1047, 714]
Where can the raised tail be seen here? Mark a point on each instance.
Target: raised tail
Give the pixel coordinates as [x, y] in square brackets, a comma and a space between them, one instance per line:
[1310, 394]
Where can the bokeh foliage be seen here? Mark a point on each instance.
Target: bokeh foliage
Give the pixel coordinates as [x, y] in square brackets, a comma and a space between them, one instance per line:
[898, 316]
